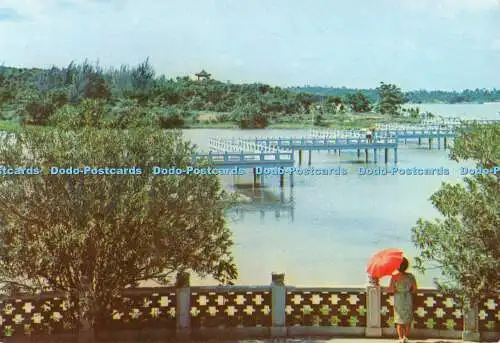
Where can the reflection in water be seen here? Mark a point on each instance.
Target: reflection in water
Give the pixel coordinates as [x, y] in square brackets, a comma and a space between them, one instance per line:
[263, 200]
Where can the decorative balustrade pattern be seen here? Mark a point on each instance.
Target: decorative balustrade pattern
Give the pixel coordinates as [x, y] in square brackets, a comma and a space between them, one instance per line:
[230, 308]
[239, 306]
[325, 308]
[489, 313]
[143, 308]
[32, 315]
[431, 311]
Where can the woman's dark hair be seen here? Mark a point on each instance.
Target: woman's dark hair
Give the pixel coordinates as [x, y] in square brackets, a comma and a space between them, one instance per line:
[404, 265]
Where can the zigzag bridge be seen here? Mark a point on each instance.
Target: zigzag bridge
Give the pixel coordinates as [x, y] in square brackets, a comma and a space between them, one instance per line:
[280, 151]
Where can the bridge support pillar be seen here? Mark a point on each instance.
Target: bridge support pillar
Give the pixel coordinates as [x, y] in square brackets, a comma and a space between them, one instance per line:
[300, 157]
[419, 140]
[282, 180]
[310, 153]
[445, 143]
[386, 155]
[375, 155]
[366, 155]
[395, 155]
[430, 143]
[254, 176]
[291, 180]
[262, 180]
[439, 143]
[359, 153]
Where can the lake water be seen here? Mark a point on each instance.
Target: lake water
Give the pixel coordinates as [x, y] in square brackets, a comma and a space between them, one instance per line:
[338, 221]
[470, 111]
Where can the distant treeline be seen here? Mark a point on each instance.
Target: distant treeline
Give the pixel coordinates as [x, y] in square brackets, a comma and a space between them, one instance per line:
[86, 94]
[48, 96]
[418, 96]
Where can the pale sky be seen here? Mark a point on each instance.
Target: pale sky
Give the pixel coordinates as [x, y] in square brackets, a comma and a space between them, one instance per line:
[431, 44]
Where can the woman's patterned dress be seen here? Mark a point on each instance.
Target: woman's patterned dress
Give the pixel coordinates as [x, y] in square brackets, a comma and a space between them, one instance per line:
[403, 299]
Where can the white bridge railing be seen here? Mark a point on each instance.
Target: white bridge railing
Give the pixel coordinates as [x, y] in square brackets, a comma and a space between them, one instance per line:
[239, 144]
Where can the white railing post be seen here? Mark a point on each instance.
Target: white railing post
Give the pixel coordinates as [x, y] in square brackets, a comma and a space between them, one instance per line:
[183, 306]
[278, 305]
[373, 306]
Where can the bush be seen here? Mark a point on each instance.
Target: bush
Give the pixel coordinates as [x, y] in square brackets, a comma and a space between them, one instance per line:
[59, 98]
[318, 120]
[67, 117]
[223, 117]
[96, 88]
[38, 112]
[129, 115]
[250, 117]
[89, 113]
[171, 122]
[172, 119]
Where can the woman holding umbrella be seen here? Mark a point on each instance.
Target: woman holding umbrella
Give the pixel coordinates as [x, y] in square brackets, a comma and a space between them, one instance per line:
[403, 284]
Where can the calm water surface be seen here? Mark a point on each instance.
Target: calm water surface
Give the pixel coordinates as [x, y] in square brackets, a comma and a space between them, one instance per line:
[338, 221]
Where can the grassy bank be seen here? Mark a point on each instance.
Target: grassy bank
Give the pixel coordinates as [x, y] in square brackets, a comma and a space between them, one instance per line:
[335, 121]
[213, 121]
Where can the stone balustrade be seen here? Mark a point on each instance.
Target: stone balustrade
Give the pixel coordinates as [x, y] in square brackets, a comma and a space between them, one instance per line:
[275, 310]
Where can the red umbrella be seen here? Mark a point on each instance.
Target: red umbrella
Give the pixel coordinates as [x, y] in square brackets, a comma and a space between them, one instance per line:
[384, 263]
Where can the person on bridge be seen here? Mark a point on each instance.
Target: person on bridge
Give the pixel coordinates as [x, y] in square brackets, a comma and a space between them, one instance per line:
[369, 135]
[403, 285]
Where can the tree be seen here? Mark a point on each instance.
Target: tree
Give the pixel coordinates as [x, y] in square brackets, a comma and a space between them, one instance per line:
[358, 102]
[249, 117]
[143, 76]
[38, 111]
[332, 103]
[96, 87]
[98, 234]
[464, 243]
[390, 99]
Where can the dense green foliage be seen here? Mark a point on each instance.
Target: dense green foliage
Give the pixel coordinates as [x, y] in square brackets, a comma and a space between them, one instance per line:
[464, 242]
[358, 102]
[43, 97]
[390, 99]
[417, 96]
[88, 95]
[94, 235]
[454, 97]
[341, 92]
